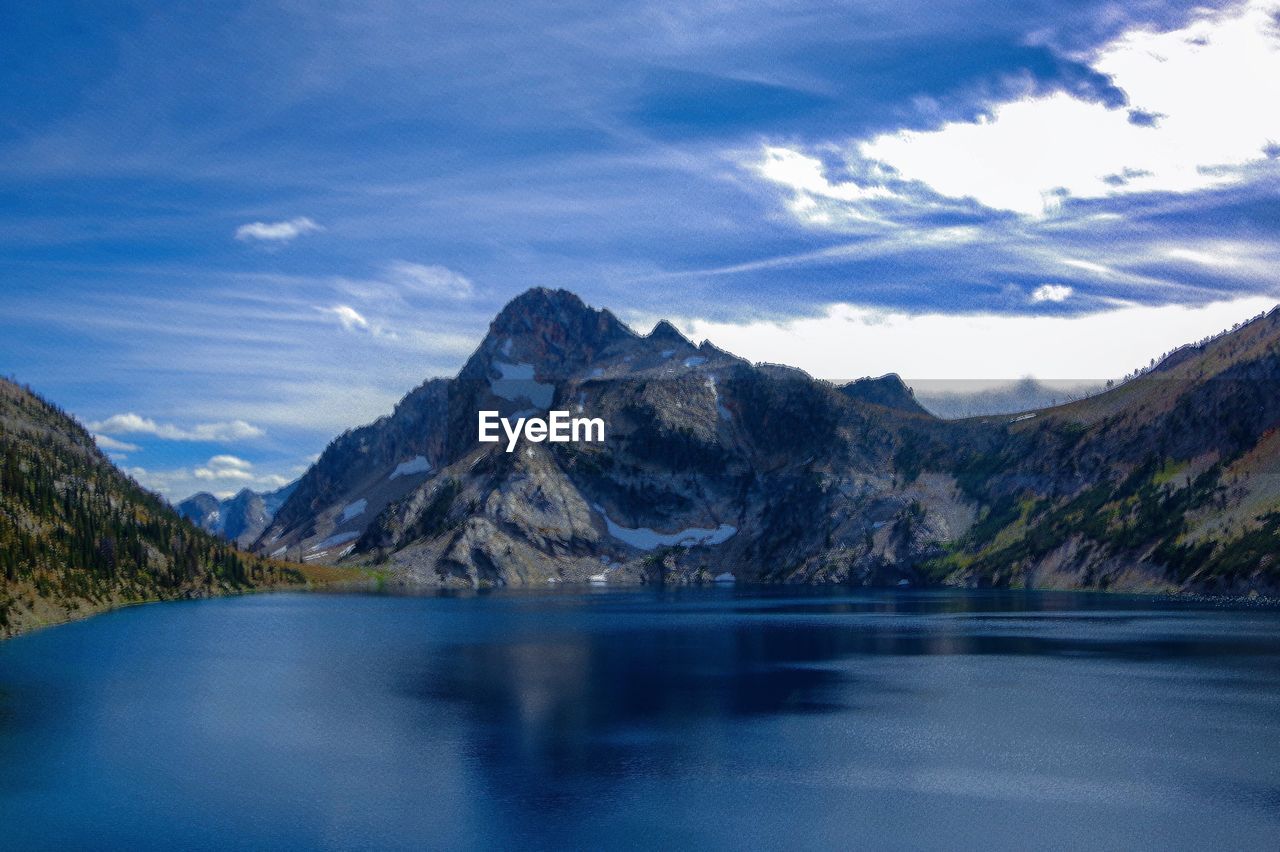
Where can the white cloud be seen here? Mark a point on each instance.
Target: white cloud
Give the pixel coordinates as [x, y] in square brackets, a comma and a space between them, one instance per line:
[848, 341]
[1204, 101]
[815, 199]
[225, 467]
[106, 442]
[1051, 293]
[134, 424]
[429, 280]
[349, 317]
[229, 462]
[277, 232]
[223, 475]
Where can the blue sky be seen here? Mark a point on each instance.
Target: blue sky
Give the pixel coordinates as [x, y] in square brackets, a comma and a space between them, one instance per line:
[229, 232]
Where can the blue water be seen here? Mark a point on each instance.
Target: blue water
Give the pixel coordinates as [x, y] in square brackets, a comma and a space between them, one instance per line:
[687, 719]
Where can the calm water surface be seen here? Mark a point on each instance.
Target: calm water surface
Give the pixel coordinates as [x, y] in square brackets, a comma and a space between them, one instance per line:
[679, 719]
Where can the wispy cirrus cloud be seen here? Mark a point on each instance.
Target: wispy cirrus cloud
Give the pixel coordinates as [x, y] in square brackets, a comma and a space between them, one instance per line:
[429, 280]
[281, 232]
[135, 424]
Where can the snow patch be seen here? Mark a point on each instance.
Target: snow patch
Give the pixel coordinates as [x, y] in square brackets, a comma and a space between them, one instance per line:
[333, 541]
[515, 372]
[415, 465]
[644, 538]
[667, 353]
[725, 414]
[726, 577]
[517, 383]
[354, 510]
[1023, 417]
[694, 361]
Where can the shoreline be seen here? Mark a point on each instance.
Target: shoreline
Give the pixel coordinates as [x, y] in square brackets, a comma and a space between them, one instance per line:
[323, 579]
[373, 585]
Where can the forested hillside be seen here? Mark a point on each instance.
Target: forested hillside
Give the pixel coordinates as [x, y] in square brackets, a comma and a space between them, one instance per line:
[77, 535]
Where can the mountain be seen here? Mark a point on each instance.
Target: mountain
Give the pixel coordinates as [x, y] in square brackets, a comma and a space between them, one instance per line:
[77, 535]
[716, 468]
[711, 466]
[889, 391]
[952, 401]
[1167, 481]
[239, 519]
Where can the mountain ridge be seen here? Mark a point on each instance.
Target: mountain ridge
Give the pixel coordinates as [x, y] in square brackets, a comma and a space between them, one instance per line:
[240, 518]
[716, 467]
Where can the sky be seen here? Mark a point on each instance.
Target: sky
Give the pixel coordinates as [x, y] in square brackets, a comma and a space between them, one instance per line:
[229, 231]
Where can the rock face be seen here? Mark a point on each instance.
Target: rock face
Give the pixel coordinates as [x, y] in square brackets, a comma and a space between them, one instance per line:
[715, 468]
[240, 519]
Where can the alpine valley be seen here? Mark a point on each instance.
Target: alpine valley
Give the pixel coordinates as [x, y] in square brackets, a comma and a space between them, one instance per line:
[716, 469]
[240, 518]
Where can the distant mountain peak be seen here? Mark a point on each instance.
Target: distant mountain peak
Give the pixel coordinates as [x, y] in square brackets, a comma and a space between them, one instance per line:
[240, 518]
[665, 332]
[888, 390]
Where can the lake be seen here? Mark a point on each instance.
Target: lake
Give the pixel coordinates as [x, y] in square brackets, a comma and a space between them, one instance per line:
[688, 718]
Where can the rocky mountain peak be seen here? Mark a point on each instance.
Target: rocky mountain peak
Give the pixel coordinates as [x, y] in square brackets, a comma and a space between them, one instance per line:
[198, 507]
[555, 315]
[665, 332]
[551, 330]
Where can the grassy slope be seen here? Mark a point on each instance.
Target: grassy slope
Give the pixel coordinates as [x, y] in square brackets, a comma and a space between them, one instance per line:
[1165, 483]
